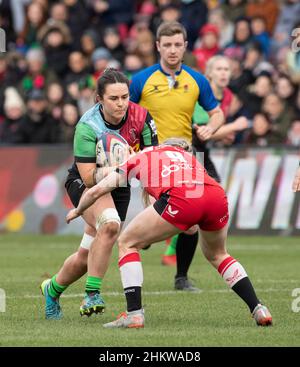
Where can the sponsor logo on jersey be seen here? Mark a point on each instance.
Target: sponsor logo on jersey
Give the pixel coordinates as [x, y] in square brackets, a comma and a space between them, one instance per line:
[221, 220]
[79, 181]
[167, 170]
[171, 212]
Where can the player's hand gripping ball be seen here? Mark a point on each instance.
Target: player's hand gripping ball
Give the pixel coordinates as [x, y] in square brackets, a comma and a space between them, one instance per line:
[111, 150]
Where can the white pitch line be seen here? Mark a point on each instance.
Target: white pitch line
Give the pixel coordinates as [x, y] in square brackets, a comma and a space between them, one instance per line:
[154, 293]
[292, 247]
[277, 281]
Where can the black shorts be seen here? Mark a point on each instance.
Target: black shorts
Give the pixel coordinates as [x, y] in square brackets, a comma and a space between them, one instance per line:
[121, 195]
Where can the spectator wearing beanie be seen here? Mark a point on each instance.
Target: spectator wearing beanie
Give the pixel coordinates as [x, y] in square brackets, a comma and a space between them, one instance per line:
[101, 58]
[209, 45]
[38, 126]
[14, 109]
[37, 76]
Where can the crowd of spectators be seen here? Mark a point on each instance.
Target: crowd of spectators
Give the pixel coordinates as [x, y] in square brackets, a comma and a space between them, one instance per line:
[56, 50]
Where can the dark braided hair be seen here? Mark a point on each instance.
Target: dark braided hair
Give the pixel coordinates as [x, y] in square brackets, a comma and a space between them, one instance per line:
[110, 76]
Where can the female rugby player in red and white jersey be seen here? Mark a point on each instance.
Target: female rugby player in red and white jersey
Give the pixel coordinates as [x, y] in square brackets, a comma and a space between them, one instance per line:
[186, 197]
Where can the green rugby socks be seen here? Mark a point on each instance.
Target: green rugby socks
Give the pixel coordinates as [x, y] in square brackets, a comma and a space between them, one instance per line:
[55, 289]
[93, 284]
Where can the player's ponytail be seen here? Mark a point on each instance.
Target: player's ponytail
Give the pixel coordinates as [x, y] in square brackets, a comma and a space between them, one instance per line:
[145, 198]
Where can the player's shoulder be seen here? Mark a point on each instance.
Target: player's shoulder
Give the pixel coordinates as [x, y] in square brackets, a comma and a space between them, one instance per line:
[142, 76]
[196, 75]
[92, 114]
[135, 107]
[90, 120]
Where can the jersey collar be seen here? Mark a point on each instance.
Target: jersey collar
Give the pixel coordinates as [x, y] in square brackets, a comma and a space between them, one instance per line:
[112, 126]
[164, 72]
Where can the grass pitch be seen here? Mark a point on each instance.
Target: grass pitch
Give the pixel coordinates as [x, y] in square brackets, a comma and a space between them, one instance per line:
[214, 317]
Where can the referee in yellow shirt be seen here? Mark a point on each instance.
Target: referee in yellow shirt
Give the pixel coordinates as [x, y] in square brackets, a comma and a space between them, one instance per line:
[169, 90]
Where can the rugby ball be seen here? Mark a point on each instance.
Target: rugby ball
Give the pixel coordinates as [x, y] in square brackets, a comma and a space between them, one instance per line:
[111, 149]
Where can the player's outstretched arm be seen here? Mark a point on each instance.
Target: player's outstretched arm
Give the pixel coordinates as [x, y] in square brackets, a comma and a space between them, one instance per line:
[240, 124]
[106, 185]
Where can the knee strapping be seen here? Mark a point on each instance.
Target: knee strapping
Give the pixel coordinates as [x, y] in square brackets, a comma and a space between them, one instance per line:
[108, 215]
[86, 241]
